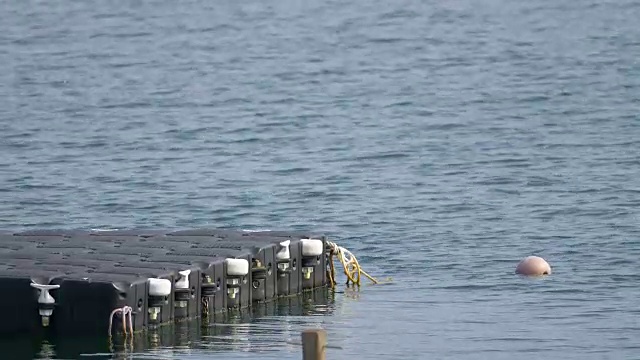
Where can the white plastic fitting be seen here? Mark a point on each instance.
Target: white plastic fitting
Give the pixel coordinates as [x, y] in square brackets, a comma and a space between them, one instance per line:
[45, 298]
[312, 247]
[232, 291]
[183, 282]
[153, 313]
[237, 267]
[307, 271]
[283, 266]
[159, 287]
[283, 253]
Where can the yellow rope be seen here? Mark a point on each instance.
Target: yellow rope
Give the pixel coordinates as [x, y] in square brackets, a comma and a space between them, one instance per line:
[350, 265]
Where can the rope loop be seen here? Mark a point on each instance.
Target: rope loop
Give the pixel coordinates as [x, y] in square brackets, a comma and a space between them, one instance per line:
[350, 265]
[124, 311]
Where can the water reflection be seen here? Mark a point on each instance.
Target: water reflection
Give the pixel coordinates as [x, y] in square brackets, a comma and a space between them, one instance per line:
[267, 327]
[264, 327]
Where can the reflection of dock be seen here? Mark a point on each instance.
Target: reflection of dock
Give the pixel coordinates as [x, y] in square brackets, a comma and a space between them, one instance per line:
[262, 327]
[81, 282]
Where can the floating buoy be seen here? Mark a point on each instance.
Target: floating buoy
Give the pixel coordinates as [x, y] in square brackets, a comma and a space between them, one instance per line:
[533, 266]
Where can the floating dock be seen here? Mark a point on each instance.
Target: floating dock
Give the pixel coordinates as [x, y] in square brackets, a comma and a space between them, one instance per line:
[105, 282]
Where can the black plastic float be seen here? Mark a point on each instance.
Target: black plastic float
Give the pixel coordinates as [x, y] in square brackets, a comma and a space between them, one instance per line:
[89, 281]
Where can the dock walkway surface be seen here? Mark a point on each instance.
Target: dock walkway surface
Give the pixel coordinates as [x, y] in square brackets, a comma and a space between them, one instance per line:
[105, 282]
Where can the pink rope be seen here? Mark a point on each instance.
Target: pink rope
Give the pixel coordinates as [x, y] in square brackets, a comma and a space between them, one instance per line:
[125, 310]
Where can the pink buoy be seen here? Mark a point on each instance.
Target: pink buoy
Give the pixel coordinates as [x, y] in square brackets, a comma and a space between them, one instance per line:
[533, 266]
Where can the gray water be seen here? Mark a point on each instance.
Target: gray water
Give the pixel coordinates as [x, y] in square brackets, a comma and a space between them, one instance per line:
[440, 141]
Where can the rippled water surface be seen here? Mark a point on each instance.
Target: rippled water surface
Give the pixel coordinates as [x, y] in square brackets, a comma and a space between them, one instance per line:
[441, 141]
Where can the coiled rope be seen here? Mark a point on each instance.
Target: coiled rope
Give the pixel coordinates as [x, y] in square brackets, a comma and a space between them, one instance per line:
[350, 265]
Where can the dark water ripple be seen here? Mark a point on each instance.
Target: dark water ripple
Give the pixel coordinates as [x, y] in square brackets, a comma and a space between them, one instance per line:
[441, 142]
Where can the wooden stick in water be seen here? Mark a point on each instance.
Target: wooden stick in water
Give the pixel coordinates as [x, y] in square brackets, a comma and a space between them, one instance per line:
[314, 342]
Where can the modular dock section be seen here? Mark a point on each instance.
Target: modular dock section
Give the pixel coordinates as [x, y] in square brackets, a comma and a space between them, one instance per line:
[94, 282]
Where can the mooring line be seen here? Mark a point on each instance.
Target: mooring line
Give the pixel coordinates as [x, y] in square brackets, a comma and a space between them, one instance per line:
[125, 310]
[350, 264]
